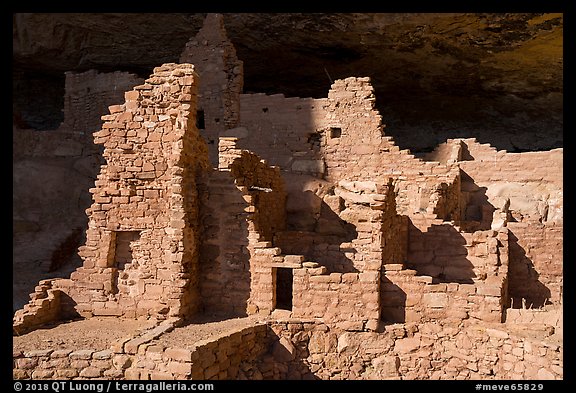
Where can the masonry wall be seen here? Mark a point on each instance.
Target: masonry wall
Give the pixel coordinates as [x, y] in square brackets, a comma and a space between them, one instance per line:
[531, 181]
[143, 356]
[413, 351]
[530, 187]
[44, 307]
[243, 207]
[141, 251]
[536, 265]
[348, 300]
[89, 94]
[221, 80]
[213, 359]
[449, 275]
[224, 256]
[284, 131]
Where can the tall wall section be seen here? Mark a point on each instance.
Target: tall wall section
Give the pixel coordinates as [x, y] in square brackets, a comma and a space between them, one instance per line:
[221, 80]
[141, 251]
[528, 188]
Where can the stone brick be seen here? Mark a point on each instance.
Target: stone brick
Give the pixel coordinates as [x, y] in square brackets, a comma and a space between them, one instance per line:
[179, 368]
[435, 299]
[180, 354]
[91, 372]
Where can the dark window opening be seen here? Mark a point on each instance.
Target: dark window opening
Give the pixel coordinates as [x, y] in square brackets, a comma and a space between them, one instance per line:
[284, 279]
[216, 120]
[335, 132]
[315, 140]
[264, 110]
[200, 124]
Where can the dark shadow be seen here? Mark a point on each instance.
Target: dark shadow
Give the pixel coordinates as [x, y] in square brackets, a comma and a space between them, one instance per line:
[66, 252]
[392, 302]
[320, 237]
[465, 153]
[224, 281]
[68, 308]
[477, 213]
[439, 252]
[284, 284]
[280, 360]
[525, 290]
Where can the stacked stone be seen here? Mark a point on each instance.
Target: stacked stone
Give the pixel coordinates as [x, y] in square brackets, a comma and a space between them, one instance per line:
[224, 259]
[67, 364]
[221, 74]
[474, 268]
[286, 131]
[212, 359]
[350, 301]
[408, 351]
[44, 307]
[89, 94]
[146, 189]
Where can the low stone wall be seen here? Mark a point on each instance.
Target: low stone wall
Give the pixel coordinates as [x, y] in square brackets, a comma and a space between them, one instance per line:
[213, 359]
[405, 351]
[143, 357]
[307, 349]
[68, 364]
[44, 307]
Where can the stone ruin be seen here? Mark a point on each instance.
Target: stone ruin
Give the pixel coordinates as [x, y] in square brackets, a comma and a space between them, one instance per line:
[357, 259]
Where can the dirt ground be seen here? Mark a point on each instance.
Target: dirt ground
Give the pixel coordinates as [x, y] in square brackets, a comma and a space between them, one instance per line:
[203, 328]
[99, 333]
[96, 333]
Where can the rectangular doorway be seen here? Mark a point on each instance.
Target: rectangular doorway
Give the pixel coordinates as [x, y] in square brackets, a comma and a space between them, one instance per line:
[284, 279]
[125, 242]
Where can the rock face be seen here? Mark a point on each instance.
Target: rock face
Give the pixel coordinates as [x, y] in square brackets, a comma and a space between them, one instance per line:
[496, 77]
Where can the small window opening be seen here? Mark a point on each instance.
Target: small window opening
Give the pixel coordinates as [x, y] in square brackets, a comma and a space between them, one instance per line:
[264, 110]
[315, 140]
[335, 132]
[200, 124]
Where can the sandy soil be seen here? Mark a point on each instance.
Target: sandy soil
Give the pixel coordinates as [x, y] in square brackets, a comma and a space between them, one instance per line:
[93, 333]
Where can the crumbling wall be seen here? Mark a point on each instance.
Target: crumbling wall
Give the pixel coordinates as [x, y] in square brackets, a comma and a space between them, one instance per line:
[530, 181]
[89, 94]
[141, 251]
[44, 307]
[243, 206]
[56, 168]
[221, 80]
[528, 188]
[354, 129]
[263, 188]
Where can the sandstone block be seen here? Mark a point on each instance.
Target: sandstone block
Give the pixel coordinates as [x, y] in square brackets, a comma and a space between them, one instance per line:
[435, 299]
[91, 372]
[407, 345]
[180, 354]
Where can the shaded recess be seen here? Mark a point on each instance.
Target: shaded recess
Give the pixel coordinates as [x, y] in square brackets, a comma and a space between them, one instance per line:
[495, 76]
